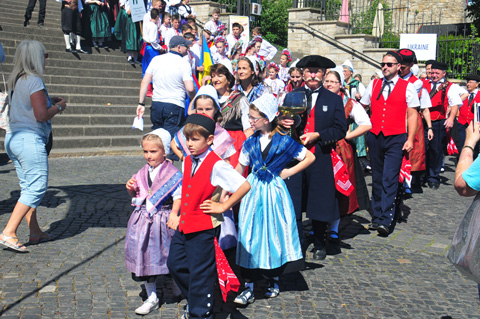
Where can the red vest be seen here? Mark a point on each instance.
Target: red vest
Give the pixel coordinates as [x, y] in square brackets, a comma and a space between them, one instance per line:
[412, 79]
[195, 190]
[310, 128]
[389, 116]
[466, 114]
[439, 108]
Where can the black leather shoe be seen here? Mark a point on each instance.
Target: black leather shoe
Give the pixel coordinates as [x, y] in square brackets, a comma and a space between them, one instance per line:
[383, 230]
[373, 226]
[319, 254]
[25, 23]
[82, 51]
[69, 50]
[333, 245]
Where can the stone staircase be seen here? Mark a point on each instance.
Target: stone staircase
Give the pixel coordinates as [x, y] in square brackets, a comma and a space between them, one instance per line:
[101, 89]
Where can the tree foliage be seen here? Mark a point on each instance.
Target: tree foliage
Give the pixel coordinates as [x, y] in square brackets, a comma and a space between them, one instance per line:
[274, 20]
[473, 12]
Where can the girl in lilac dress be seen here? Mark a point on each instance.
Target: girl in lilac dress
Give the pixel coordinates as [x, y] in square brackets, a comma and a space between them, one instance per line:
[156, 192]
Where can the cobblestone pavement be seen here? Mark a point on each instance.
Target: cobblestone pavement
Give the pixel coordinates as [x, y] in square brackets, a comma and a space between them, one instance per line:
[82, 273]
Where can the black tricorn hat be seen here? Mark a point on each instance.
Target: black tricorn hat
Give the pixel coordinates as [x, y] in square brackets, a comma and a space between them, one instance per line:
[472, 77]
[316, 61]
[203, 120]
[439, 66]
[408, 55]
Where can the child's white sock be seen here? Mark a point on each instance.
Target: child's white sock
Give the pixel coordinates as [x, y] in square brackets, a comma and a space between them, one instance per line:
[77, 41]
[151, 291]
[67, 41]
[249, 285]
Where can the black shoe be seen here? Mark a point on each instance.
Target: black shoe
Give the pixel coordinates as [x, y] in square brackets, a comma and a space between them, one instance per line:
[319, 254]
[434, 185]
[130, 60]
[373, 226]
[138, 62]
[40, 25]
[383, 230]
[333, 244]
[69, 50]
[82, 51]
[25, 23]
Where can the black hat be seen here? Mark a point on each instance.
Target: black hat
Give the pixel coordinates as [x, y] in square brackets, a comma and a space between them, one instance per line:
[439, 66]
[203, 120]
[430, 62]
[315, 61]
[396, 55]
[473, 77]
[408, 55]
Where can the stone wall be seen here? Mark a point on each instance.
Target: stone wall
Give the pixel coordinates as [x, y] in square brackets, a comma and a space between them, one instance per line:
[333, 42]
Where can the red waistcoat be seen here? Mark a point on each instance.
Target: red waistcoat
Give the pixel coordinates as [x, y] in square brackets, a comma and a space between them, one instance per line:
[389, 116]
[195, 190]
[412, 79]
[310, 128]
[439, 108]
[466, 114]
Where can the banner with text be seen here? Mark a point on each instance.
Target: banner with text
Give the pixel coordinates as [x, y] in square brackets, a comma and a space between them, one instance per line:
[137, 9]
[424, 45]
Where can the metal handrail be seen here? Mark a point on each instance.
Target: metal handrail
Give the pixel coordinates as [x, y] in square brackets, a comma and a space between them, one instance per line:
[337, 43]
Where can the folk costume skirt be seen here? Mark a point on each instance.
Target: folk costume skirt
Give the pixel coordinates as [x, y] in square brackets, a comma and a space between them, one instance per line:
[99, 23]
[267, 228]
[147, 242]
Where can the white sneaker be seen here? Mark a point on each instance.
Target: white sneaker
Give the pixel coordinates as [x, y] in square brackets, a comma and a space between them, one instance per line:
[147, 307]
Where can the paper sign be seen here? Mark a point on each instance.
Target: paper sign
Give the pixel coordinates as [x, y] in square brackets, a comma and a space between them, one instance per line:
[137, 9]
[424, 45]
[243, 20]
[138, 123]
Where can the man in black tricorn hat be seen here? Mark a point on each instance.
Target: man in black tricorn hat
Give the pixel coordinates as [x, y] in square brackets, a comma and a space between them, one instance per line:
[319, 128]
[467, 112]
[392, 99]
[445, 97]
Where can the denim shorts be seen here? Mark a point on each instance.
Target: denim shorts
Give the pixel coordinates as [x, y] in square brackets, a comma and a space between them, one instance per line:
[27, 151]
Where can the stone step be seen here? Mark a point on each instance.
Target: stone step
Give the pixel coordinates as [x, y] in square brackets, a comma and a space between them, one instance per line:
[98, 100]
[78, 109]
[73, 80]
[99, 130]
[96, 90]
[97, 119]
[94, 151]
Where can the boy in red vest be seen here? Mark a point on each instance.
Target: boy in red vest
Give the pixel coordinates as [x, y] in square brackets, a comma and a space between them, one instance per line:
[192, 252]
[392, 99]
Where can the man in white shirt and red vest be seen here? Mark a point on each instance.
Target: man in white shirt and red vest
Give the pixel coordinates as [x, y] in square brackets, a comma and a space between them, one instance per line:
[392, 100]
[467, 112]
[445, 97]
[417, 155]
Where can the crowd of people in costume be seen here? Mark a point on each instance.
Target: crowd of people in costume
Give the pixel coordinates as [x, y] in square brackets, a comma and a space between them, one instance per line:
[282, 164]
[260, 144]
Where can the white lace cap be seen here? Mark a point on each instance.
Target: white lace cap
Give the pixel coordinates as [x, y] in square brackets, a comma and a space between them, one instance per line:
[165, 137]
[268, 105]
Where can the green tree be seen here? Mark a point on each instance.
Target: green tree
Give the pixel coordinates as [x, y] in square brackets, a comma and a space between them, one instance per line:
[274, 20]
[473, 12]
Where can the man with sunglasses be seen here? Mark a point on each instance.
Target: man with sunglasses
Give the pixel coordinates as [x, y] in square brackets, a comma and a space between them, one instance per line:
[392, 99]
[466, 114]
[417, 155]
[446, 100]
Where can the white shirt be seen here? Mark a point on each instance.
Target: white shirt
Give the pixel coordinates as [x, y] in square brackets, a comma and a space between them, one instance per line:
[277, 85]
[212, 26]
[411, 95]
[169, 3]
[267, 50]
[418, 84]
[231, 40]
[359, 115]
[182, 11]
[244, 159]
[223, 174]
[150, 34]
[163, 31]
[169, 34]
[169, 72]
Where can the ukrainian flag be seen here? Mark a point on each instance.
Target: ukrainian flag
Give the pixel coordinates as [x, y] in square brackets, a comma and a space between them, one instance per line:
[205, 59]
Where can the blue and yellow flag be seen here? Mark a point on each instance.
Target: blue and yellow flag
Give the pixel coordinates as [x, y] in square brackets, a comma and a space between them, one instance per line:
[205, 59]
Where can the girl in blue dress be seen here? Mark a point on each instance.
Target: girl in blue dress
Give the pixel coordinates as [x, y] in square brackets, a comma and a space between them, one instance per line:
[267, 230]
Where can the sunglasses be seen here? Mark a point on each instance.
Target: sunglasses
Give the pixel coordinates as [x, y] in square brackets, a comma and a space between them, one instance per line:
[389, 64]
